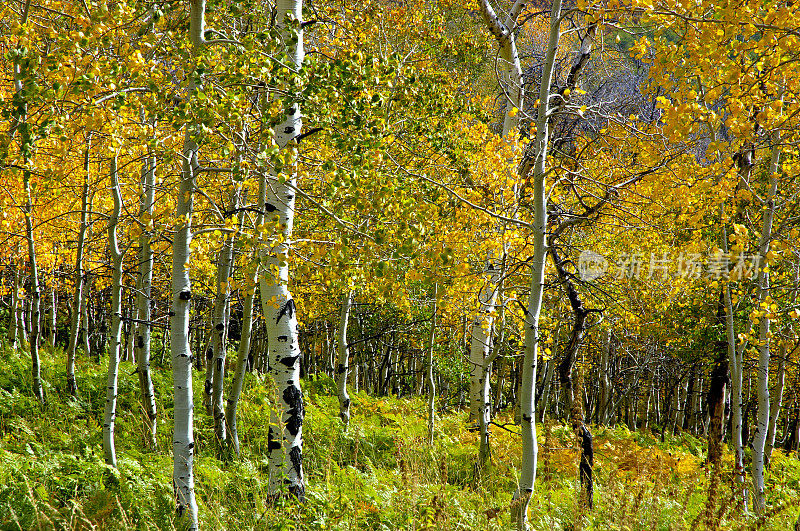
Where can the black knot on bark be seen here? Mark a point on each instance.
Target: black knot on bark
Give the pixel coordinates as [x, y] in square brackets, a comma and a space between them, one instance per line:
[294, 400]
[185, 295]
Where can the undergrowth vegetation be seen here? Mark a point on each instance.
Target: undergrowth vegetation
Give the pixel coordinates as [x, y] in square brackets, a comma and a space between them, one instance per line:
[379, 474]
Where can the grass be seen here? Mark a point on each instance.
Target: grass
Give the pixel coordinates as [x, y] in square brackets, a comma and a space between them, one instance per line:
[379, 474]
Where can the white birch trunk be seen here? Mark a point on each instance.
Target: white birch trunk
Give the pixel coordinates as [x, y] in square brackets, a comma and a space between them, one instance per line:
[530, 448]
[775, 408]
[481, 342]
[241, 366]
[35, 294]
[682, 392]
[485, 412]
[14, 331]
[74, 330]
[511, 84]
[109, 420]
[220, 326]
[145, 283]
[431, 385]
[605, 382]
[84, 309]
[19, 116]
[278, 305]
[22, 328]
[344, 359]
[183, 437]
[53, 311]
[762, 415]
[247, 327]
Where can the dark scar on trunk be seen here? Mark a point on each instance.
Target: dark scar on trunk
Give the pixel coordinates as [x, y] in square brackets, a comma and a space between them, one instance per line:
[289, 361]
[288, 310]
[294, 399]
[272, 444]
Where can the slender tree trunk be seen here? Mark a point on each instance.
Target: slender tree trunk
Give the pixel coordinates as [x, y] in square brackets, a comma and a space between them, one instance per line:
[429, 369]
[220, 326]
[84, 311]
[143, 292]
[19, 117]
[480, 343]
[52, 314]
[278, 305]
[116, 321]
[485, 412]
[343, 362]
[35, 293]
[530, 448]
[760, 436]
[604, 402]
[775, 408]
[716, 389]
[22, 327]
[547, 384]
[72, 386]
[241, 364]
[247, 327]
[14, 330]
[183, 437]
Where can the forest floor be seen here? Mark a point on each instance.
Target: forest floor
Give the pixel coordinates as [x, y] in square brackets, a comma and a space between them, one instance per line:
[379, 474]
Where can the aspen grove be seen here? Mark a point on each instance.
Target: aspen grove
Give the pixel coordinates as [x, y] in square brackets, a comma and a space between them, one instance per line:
[399, 264]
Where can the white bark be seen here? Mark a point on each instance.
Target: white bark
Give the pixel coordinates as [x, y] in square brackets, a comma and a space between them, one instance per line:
[19, 116]
[247, 327]
[775, 408]
[16, 330]
[241, 366]
[74, 330]
[530, 448]
[116, 322]
[83, 325]
[183, 437]
[35, 294]
[511, 83]
[605, 383]
[480, 341]
[431, 385]
[343, 363]
[220, 326]
[762, 415]
[278, 305]
[145, 282]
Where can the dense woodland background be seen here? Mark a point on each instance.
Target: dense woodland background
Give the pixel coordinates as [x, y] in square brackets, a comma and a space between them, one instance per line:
[399, 264]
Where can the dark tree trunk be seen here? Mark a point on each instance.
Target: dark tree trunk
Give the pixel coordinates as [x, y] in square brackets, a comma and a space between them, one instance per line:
[716, 390]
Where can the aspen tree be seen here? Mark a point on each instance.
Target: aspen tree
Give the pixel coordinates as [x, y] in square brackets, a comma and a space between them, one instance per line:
[343, 363]
[183, 437]
[220, 324]
[109, 420]
[20, 126]
[762, 415]
[280, 311]
[429, 380]
[143, 293]
[77, 299]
